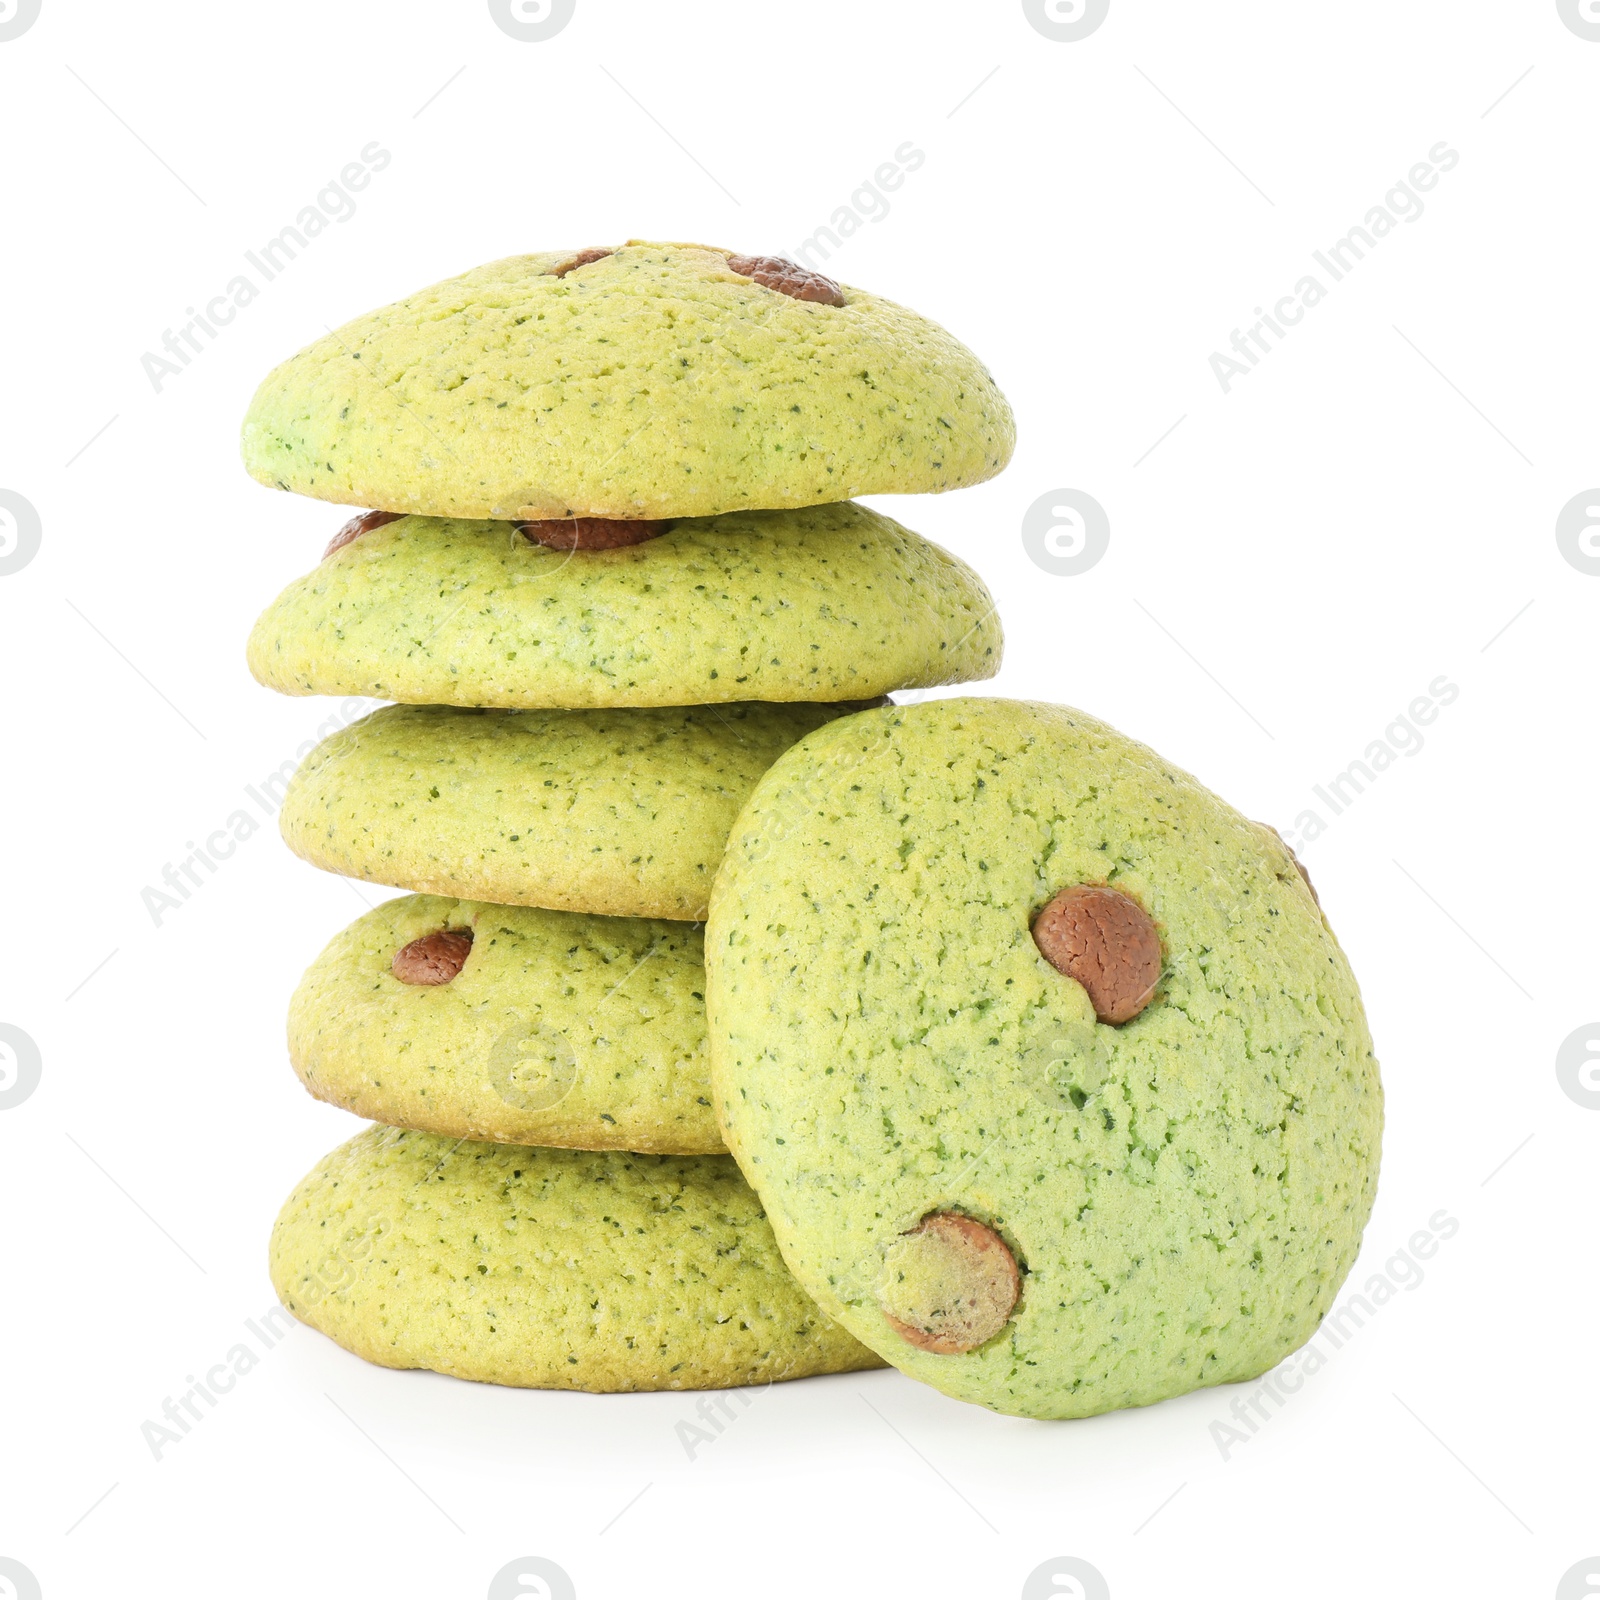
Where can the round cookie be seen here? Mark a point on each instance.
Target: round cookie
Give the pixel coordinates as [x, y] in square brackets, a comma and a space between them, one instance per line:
[506, 1023]
[1012, 1200]
[624, 813]
[548, 1269]
[653, 381]
[831, 602]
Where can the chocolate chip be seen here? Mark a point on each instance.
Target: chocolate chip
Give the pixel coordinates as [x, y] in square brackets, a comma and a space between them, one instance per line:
[1107, 942]
[356, 526]
[799, 283]
[433, 959]
[582, 259]
[590, 533]
[949, 1285]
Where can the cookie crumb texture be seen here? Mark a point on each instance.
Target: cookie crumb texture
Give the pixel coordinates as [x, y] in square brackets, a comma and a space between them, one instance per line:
[548, 1269]
[830, 603]
[654, 382]
[623, 813]
[1183, 1194]
[559, 1029]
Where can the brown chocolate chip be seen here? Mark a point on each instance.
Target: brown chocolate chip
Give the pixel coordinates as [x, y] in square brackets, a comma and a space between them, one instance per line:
[799, 283]
[433, 959]
[356, 526]
[1299, 864]
[949, 1285]
[582, 259]
[590, 533]
[1105, 941]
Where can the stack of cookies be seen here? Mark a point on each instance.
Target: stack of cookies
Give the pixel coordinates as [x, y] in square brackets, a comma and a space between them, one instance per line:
[614, 571]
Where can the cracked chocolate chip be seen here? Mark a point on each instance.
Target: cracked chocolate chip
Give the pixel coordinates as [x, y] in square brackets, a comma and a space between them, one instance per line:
[799, 283]
[356, 526]
[949, 1285]
[582, 259]
[433, 959]
[590, 533]
[1107, 942]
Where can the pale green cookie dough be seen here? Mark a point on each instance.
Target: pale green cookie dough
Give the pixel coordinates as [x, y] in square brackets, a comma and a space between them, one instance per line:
[1183, 1193]
[656, 382]
[624, 813]
[828, 603]
[548, 1269]
[561, 1029]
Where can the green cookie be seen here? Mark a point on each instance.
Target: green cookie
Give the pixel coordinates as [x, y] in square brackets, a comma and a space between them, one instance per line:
[936, 1119]
[624, 813]
[548, 1269]
[656, 382]
[559, 1029]
[829, 603]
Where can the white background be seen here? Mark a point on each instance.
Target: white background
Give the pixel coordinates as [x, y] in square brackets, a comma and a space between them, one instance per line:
[1373, 507]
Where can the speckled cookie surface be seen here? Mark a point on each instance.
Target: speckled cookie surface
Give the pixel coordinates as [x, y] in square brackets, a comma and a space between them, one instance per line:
[624, 812]
[829, 603]
[560, 1029]
[548, 1269]
[1183, 1193]
[655, 382]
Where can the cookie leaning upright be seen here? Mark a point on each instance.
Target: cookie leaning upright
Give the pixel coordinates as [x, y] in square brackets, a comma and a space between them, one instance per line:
[650, 380]
[1074, 1105]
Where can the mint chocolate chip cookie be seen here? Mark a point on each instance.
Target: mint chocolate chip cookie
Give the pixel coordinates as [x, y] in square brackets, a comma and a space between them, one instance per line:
[548, 1269]
[633, 382]
[507, 1023]
[831, 602]
[620, 812]
[1052, 1077]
